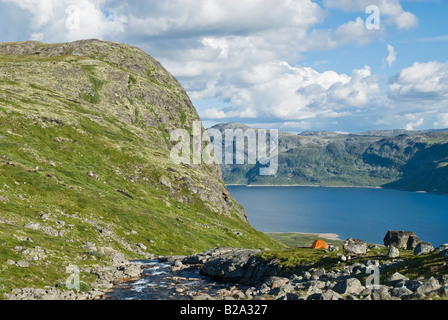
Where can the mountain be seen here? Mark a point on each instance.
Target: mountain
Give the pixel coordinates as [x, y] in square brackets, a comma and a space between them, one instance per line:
[399, 159]
[85, 161]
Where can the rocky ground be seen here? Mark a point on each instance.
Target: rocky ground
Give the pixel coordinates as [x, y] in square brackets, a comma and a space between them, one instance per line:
[347, 273]
[253, 279]
[120, 270]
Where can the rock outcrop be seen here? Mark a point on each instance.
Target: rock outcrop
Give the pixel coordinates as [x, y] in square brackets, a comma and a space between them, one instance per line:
[401, 239]
[232, 265]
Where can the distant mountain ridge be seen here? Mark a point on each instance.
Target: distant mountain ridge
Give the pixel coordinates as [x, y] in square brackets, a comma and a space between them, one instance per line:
[399, 159]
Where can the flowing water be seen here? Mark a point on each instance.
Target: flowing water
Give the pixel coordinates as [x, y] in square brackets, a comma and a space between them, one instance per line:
[159, 283]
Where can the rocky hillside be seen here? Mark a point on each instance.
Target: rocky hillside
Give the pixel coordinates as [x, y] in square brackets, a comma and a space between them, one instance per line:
[85, 165]
[409, 160]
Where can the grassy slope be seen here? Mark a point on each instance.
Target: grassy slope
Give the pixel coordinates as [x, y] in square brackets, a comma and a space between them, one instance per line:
[59, 120]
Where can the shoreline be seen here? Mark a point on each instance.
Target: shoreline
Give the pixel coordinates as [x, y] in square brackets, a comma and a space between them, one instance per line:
[335, 187]
[298, 185]
[329, 236]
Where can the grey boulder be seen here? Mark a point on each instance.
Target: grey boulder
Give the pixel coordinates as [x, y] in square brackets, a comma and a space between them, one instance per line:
[423, 248]
[354, 247]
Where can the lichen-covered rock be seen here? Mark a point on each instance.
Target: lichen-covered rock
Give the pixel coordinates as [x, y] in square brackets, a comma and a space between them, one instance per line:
[354, 247]
[393, 252]
[349, 286]
[429, 285]
[423, 248]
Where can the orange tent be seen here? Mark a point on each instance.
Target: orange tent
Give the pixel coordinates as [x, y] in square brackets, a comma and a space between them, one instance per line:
[319, 244]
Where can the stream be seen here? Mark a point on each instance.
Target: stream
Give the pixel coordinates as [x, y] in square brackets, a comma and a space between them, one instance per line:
[158, 282]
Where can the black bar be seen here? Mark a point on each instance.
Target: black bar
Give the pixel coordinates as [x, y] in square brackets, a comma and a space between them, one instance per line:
[259, 309]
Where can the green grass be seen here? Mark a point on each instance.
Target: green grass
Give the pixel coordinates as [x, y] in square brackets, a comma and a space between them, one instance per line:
[50, 140]
[296, 260]
[301, 240]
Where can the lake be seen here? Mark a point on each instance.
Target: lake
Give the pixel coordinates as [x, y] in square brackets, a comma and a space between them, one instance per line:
[361, 213]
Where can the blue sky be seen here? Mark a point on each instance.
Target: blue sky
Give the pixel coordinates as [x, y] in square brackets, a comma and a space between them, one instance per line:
[293, 65]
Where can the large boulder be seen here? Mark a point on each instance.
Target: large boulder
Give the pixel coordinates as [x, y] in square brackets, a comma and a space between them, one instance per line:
[349, 286]
[430, 285]
[354, 247]
[393, 252]
[423, 248]
[402, 239]
[239, 266]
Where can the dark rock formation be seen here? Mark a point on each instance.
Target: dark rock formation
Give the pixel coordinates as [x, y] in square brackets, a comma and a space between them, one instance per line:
[401, 239]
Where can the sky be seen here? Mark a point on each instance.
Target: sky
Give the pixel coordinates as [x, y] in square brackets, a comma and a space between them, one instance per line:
[292, 65]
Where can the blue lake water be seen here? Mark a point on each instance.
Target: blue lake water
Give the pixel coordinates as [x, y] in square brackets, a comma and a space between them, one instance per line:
[365, 214]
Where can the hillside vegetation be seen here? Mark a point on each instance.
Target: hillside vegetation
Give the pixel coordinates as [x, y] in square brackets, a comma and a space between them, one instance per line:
[85, 161]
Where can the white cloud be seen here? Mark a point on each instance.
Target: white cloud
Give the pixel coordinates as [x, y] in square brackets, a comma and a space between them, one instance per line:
[390, 10]
[213, 114]
[279, 91]
[246, 53]
[442, 120]
[231, 16]
[421, 82]
[412, 125]
[406, 20]
[49, 19]
[354, 31]
[392, 57]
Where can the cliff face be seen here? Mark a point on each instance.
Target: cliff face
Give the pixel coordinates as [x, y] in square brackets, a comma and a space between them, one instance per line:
[85, 157]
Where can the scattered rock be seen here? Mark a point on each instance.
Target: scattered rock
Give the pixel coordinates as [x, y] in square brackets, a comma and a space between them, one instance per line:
[330, 295]
[170, 259]
[401, 292]
[396, 277]
[442, 247]
[107, 232]
[277, 282]
[428, 286]
[34, 254]
[32, 225]
[393, 252]
[165, 181]
[354, 247]
[23, 264]
[381, 293]
[90, 247]
[117, 258]
[423, 248]
[141, 246]
[45, 216]
[177, 265]
[92, 175]
[349, 286]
